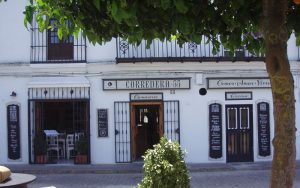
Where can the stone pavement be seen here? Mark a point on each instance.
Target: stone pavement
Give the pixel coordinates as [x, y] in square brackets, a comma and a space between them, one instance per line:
[131, 168]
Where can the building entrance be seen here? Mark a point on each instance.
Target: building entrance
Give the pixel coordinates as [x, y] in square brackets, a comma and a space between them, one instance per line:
[131, 119]
[146, 126]
[239, 133]
[61, 125]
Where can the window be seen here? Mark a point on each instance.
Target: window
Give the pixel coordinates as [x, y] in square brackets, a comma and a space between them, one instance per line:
[244, 112]
[232, 118]
[59, 49]
[47, 48]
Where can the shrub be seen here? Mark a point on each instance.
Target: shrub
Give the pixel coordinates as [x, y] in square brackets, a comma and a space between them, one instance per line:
[164, 167]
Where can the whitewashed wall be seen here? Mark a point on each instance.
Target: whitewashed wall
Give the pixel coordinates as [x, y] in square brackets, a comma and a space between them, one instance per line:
[193, 107]
[15, 48]
[14, 37]
[18, 85]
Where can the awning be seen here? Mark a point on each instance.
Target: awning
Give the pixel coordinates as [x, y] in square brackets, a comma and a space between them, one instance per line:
[58, 82]
[77, 87]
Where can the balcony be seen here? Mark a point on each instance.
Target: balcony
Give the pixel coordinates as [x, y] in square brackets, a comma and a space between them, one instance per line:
[47, 48]
[170, 51]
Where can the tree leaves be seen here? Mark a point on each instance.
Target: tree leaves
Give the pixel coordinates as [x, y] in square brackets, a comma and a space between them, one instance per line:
[181, 6]
[298, 40]
[29, 11]
[101, 20]
[97, 4]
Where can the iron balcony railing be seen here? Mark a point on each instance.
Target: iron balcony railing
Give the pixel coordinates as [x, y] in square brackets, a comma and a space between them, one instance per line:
[170, 51]
[47, 48]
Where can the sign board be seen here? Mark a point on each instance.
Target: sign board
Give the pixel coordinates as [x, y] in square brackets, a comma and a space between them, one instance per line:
[102, 123]
[238, 83]
[263, 122]
[238, 95]
[146, 96]
[146, 84]
[13, 132]
[215, 131]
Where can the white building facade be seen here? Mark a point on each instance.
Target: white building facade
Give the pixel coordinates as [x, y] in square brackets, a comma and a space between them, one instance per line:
[119, 99]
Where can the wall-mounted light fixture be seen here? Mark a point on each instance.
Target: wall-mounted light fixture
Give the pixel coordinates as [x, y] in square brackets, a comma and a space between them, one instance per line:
[202, 91]
[13, 94]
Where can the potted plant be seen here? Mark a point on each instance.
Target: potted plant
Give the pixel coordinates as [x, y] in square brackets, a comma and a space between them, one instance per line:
[40, 149]
[81, 148]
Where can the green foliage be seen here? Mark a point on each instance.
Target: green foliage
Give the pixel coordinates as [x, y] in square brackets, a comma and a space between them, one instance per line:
[81, 145]
[236, 23]
[40, 145]
[298, 40]
[165, 167]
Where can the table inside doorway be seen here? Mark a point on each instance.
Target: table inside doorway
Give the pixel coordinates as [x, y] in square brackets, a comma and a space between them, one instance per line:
[57, 143]
[51, 132]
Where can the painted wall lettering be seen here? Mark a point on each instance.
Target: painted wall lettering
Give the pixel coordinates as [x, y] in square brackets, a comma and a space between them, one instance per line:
[238, 83]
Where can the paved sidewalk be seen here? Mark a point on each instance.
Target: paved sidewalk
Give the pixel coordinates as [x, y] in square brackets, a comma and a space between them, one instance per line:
[131, 168]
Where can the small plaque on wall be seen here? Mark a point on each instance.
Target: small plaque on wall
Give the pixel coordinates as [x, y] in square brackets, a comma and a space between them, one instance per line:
[238, 95]
[13, 132]
[102, 123]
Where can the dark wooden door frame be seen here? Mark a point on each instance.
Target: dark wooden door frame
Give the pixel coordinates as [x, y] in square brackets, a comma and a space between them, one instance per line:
[133, 106]
[240, 134]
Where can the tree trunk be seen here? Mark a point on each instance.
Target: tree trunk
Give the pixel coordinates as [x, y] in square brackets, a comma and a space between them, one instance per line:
[276, 36]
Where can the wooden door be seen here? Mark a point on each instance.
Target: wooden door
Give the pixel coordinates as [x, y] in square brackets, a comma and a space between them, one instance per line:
[239, 133]
[59, 49]
[142, 135]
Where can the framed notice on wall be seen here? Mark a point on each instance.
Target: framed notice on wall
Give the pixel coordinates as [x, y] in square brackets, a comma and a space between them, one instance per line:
[215, 131]
[102, 122]
[13, 132]
[263, 123]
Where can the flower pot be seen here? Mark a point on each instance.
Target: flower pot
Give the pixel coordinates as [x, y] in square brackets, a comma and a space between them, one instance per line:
[81, 159]
[41, 159]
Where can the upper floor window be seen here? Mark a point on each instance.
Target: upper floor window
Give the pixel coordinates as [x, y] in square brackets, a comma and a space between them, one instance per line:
[59, 49]
[46, 47]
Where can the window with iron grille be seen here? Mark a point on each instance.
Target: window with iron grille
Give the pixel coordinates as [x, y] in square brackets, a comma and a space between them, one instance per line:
[59, 49]
[46, 47]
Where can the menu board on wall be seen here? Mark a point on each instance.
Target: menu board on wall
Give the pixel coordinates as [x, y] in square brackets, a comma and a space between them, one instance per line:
[215, 131]
[263, 122]
[13, 132]
[102, 123]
